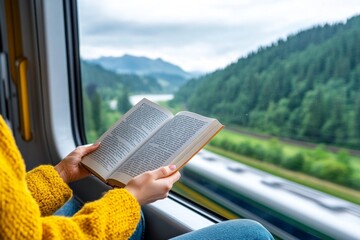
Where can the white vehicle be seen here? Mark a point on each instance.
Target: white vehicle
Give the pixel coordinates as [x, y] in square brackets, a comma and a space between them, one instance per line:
[289, 210]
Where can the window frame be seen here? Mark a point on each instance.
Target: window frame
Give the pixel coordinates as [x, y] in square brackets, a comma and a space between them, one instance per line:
[175, 204]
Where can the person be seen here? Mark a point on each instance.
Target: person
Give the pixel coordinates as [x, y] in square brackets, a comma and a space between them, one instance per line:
[28, 201]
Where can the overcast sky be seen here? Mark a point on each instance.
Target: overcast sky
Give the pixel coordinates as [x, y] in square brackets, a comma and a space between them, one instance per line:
[198, 35]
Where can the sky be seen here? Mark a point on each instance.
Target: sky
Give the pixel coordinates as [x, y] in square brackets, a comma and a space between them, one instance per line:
[198, 35]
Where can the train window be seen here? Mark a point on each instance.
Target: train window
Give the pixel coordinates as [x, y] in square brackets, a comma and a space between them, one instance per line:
[284, 78]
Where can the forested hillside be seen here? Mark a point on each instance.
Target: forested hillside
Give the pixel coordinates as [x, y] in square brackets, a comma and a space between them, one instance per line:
[305, 87]
[169, 76]
[93, 75]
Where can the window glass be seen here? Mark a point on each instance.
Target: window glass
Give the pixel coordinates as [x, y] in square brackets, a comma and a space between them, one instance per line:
[282, 76]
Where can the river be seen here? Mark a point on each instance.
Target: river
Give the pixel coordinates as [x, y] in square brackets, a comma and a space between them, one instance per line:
[152, 97]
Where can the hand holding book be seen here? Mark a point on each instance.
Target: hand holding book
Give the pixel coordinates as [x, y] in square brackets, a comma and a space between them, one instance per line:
[147, 137]
[155, 185]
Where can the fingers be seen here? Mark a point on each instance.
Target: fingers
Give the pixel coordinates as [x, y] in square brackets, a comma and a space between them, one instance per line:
[153, 185]
[163, 171]
[174, 177]
[165, 184]
[86, 149]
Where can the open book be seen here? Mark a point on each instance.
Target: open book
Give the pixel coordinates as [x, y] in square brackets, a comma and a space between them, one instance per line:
[147, 137]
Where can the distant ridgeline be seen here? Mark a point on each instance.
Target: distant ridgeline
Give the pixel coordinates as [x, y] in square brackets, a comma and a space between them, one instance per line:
[95, 76]
[305, 87]
[139, 74]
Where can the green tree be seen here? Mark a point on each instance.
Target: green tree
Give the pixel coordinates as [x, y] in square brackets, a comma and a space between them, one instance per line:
[274, 153]
[97, 113]
[123, 102]
[343, 157]
[355, 180]
[334, 129]
[330, 170]
[319, 153]
[294, 162]
[313, 109]
[90, 131]
[277, 117]
[356, 124]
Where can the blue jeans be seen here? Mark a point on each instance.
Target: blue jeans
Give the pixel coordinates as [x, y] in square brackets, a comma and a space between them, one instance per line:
[69, 208]
[232, 229]
[140, 229]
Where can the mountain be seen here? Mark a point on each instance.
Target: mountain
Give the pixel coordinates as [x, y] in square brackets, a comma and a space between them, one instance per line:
[109, 83]
[139, 65]
[168, 75]
[305, 87]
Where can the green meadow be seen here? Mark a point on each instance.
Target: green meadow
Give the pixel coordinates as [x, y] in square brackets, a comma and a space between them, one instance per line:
[325, 185]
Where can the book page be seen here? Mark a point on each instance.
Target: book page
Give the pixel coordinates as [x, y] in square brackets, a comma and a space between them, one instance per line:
[161, 149]
[199, 142]
[125, 136]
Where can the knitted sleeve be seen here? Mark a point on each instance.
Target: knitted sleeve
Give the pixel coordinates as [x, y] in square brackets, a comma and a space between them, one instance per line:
[48, 189]
[114, 216]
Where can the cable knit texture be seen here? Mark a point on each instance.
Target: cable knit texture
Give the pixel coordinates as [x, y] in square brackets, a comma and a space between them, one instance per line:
[48, 189]
[28, 200]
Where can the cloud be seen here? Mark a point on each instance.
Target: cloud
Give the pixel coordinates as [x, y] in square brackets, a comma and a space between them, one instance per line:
[198, 35]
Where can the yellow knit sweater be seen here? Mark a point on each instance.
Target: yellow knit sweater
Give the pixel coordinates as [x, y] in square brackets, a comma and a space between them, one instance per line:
[27, 201]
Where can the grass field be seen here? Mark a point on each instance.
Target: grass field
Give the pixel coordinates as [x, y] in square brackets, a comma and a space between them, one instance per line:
[288, 149]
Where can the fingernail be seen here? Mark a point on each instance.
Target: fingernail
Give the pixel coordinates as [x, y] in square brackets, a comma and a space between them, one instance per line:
[96, 144]
[172, 167]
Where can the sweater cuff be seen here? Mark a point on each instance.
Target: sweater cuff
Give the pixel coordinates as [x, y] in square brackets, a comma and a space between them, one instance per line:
[130, 211]
[116, 214]
[48, 189]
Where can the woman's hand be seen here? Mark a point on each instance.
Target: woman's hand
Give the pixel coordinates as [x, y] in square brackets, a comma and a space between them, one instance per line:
[70, 168]
[153, 185]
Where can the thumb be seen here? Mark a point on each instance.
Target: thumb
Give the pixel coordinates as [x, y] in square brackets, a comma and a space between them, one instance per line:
[164, 171]
[84, 150]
